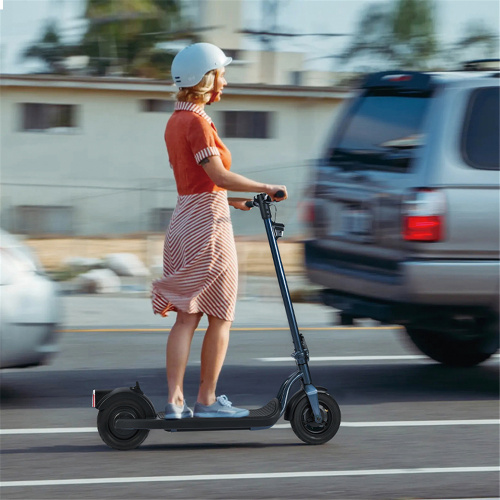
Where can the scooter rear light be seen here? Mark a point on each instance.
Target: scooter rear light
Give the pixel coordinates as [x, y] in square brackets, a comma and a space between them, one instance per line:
[424, 216]
[93, 398]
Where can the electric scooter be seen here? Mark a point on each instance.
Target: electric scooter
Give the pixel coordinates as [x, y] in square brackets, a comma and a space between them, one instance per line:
[126, 415]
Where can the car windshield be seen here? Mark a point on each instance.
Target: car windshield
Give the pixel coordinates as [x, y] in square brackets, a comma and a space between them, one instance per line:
[382, 131]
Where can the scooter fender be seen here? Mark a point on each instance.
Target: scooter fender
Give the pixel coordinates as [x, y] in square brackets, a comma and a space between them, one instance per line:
[102, 399]
[294, 400]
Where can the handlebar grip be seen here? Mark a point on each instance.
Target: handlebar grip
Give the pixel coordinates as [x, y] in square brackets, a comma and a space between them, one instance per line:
[249, 203]
[279, 194]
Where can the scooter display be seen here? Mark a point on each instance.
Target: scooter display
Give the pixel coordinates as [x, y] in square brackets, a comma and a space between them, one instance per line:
[126, 415]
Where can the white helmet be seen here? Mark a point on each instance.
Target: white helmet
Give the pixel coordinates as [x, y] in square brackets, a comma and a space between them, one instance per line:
[192, 62]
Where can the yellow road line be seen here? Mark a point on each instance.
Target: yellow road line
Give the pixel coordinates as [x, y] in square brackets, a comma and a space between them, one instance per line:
[238, 329]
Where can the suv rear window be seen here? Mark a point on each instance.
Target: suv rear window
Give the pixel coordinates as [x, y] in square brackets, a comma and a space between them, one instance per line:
[480, 136]
[381, 131]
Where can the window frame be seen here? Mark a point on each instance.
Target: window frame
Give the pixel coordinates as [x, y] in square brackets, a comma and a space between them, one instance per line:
[243, 134]
[44, 118]
[159, 219]
[465, 127]
[23, 214]
[148, 105]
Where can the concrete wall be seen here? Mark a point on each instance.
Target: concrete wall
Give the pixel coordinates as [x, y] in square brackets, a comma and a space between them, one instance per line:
[113, 168]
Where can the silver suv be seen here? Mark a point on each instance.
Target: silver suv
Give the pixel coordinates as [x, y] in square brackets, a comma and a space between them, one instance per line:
[405, 211]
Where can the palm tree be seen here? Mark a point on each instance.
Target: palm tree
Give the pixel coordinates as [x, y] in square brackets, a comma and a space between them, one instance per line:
[113, 37]
[121, 36]
[478, 42]
[49, 49]
[395, 35]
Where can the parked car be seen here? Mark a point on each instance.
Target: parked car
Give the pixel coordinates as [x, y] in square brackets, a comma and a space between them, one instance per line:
[405, 211]
[29, 307]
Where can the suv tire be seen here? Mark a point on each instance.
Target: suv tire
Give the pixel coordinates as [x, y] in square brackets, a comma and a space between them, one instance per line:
[458, 348]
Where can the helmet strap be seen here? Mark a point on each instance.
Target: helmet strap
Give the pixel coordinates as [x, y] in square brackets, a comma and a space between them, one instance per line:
[212, 98]
[214, 93]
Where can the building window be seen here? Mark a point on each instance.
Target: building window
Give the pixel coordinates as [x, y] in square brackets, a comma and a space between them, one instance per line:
[160, 219]
[48, 117]
[296, 78]
[43, 220]
[157, 106]
[247, 124]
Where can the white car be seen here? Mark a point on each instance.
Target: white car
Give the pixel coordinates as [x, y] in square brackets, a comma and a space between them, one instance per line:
[29, 307]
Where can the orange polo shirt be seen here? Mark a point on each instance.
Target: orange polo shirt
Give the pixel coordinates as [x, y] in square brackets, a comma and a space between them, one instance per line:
[190, 137]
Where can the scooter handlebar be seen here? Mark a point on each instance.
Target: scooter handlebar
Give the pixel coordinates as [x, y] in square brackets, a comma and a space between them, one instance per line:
[253, 203]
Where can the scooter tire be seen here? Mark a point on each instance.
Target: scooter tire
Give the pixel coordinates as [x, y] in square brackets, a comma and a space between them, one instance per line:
[121, 439]
[304, 425]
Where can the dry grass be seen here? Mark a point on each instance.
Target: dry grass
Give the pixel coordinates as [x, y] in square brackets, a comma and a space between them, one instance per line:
[254, 257]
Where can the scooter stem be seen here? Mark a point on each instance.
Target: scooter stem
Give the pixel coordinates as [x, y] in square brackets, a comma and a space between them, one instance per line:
[301, 354]
[280, 273]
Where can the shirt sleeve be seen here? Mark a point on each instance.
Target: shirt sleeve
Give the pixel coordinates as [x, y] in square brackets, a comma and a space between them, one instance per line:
[201, 138]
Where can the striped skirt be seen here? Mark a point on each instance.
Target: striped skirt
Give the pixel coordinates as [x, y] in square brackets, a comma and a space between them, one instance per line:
[200, 269]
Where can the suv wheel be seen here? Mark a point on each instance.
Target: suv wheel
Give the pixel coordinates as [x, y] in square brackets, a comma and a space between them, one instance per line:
[458, 347]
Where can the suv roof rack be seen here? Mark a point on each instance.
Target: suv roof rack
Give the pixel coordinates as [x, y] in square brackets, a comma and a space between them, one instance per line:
[408, 80]
[481, 65]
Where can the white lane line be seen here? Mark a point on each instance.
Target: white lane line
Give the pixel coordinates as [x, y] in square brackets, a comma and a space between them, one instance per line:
[346, 358]
[410, 423]
[48, 430]
[258, 475]
[402, 357]
[390, 423]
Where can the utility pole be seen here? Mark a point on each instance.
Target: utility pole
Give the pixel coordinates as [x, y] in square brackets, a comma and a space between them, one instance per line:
[269, 23]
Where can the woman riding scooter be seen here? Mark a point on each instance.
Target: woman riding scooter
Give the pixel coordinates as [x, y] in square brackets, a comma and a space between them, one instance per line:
[200, 272]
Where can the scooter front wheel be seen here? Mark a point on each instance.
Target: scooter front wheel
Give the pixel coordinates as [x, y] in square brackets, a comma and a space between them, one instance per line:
[310, 431]
[121, 439]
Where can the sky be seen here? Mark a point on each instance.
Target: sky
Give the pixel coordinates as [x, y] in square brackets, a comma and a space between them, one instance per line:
[22, 22]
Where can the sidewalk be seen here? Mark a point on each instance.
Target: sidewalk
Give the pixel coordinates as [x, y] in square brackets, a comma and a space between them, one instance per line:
[259, 305]
[97, 311]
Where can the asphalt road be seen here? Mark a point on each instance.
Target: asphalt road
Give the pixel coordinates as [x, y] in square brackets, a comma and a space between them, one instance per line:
[410, 428]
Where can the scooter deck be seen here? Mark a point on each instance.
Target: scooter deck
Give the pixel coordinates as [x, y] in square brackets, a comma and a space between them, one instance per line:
[260, 418]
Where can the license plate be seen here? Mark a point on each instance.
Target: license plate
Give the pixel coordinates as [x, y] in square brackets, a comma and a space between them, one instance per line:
[356, 222]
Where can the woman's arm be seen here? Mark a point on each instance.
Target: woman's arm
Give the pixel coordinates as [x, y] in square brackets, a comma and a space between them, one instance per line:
[235, 182]
[239, 203]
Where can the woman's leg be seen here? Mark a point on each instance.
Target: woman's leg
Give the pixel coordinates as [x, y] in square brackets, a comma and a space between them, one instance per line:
[178, 347]
[213, 354]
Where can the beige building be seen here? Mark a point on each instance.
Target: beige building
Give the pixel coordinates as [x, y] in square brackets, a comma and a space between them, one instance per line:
[223, 23]
[86, 156]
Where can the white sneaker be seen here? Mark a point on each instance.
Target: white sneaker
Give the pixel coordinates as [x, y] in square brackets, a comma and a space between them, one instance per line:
[173, 411]
[221, 408]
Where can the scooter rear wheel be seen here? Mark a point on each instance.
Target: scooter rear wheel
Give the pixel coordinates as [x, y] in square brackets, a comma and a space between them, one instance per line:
[304, 425]
[121, 439]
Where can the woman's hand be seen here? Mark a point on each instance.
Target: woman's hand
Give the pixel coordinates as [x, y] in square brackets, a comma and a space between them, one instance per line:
[239, 203]
[273, 189]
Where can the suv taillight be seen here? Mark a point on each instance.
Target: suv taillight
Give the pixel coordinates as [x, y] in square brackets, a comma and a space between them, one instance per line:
[307, 212]
[424, 216]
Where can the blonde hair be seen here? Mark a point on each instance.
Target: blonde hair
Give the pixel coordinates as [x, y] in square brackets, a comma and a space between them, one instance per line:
[200, 93]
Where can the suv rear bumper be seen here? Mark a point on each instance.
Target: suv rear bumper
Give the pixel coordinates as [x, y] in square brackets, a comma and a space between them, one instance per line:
[445, 283]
